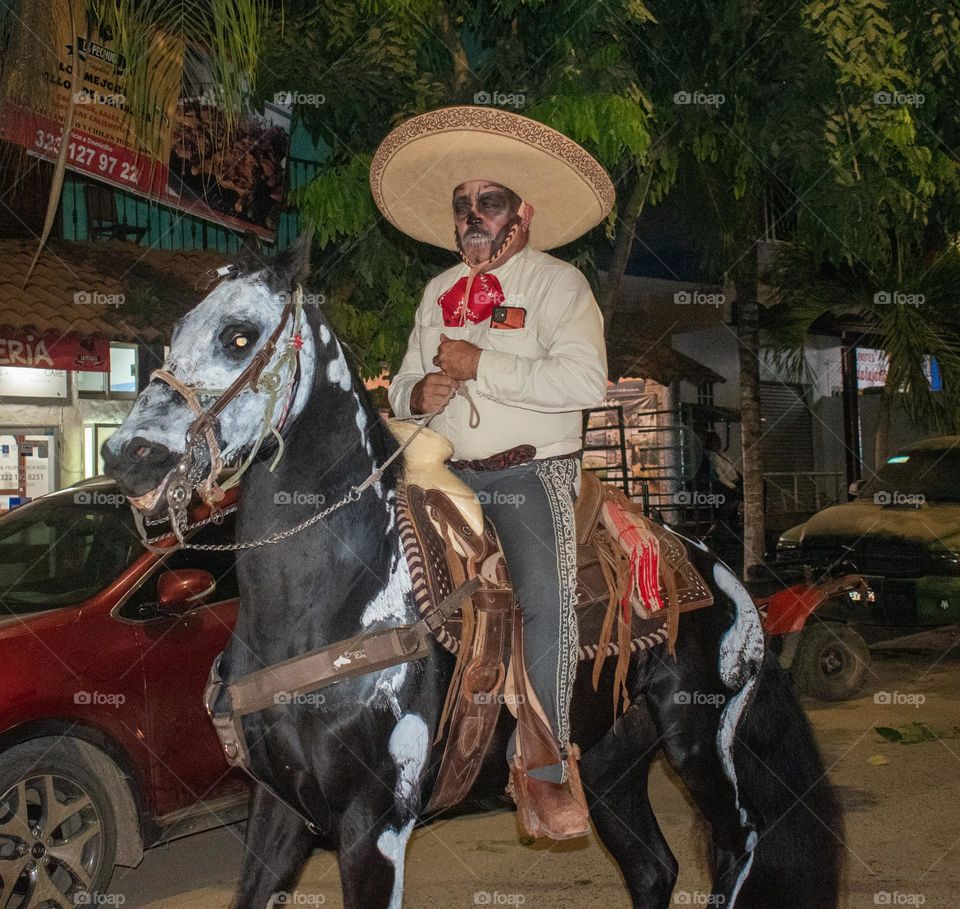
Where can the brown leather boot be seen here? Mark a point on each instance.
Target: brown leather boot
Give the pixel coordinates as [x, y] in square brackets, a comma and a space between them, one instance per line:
[555, 810]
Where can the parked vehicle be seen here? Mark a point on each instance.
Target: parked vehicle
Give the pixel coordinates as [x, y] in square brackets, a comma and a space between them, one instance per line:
[828, 665]
[105, 747]
[901, 533]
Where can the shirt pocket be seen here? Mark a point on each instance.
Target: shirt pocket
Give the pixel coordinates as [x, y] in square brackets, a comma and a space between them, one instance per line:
[520, 341]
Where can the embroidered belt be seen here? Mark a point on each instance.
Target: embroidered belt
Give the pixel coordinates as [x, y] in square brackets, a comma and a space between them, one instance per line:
[512, 457]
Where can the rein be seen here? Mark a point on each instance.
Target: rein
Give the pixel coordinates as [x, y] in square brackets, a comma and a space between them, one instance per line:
[201, 432]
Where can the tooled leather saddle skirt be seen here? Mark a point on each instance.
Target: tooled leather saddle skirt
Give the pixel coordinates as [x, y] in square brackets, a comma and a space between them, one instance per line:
[445, 548]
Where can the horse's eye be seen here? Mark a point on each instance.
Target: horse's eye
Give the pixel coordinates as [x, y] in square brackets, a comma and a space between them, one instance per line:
[238, 339]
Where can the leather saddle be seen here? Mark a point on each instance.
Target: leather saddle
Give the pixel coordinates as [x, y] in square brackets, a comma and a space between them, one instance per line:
[448, 541]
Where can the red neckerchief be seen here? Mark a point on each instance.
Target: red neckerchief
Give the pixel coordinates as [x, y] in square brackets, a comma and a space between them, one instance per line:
[482, 289]
[485, 294]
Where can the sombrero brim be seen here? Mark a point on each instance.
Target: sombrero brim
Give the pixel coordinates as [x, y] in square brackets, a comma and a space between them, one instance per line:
[418, 165]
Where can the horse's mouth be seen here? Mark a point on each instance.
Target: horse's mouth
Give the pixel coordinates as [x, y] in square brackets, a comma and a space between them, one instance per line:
[154, 501]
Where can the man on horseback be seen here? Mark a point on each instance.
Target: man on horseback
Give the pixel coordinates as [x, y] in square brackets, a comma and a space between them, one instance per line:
[508, 349]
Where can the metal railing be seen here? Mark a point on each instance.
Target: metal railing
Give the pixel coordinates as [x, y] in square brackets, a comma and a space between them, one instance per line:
[802, 492]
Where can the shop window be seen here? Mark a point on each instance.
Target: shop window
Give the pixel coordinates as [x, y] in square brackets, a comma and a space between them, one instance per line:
[28, 465]
[93, 438]
[120, 382]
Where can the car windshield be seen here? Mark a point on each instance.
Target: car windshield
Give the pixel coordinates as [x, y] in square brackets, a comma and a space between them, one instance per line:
[928, 475]
[59, 551]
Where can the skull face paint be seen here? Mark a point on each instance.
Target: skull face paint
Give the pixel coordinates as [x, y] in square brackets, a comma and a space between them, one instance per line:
[483, 212]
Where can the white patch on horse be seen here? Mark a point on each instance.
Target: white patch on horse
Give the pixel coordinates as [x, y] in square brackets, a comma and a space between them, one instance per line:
[409, 746]
[388, 687]
[392, 509]
[392, 844]
[362, 425]
[338, 372]
[741, 655]
[392, 602]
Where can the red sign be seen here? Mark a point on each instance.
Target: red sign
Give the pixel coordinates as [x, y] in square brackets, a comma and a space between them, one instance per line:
[54, 351]
[194, 163]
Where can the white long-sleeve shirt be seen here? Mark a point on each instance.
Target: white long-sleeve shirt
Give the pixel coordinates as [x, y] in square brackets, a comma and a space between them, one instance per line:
[532, 382]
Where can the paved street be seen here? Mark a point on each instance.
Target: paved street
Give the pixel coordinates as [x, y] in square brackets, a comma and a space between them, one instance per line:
[901, 802]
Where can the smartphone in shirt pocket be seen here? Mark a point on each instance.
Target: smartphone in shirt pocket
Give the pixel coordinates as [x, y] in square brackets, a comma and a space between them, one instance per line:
[508, 317]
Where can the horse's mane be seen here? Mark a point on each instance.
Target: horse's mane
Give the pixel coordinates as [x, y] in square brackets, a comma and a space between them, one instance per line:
[382, 442]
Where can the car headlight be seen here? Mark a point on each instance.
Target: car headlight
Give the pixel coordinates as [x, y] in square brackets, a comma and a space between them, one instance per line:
[784, 546]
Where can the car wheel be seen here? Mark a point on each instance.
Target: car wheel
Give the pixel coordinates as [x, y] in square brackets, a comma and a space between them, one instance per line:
[58, 829]
[831, 661]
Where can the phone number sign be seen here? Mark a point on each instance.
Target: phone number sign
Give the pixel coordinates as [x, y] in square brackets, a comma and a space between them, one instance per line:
[101, 158]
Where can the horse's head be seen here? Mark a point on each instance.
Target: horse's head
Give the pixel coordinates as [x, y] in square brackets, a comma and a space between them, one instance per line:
[241, 359]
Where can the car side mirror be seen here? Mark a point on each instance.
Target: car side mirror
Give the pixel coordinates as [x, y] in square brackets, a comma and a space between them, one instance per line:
[179, 591]
[853, 490]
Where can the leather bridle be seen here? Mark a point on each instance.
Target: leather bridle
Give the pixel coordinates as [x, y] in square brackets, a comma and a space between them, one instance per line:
[202, 431]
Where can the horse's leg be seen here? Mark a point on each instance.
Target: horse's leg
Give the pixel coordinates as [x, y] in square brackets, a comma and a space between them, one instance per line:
[697, 718]
[275, 847]
[615, 780]
[372, 854]
[377, 824]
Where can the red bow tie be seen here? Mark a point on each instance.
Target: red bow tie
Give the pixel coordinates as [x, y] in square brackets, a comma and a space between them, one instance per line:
[484, 295]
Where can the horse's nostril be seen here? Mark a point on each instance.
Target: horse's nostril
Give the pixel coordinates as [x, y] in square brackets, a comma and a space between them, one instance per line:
[140, 449]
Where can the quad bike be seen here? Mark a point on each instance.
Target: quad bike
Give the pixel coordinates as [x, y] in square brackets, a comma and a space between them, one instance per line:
[827, 659]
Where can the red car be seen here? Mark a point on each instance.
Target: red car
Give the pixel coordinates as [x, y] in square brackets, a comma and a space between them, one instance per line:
[105, 746]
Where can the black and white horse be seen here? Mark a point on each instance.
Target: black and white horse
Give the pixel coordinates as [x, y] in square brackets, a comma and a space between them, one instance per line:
[360, 762]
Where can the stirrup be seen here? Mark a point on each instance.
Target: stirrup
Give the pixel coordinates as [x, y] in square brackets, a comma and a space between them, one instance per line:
[555, 810]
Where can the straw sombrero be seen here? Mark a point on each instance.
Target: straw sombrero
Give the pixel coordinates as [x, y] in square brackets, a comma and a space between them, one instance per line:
[418, 165]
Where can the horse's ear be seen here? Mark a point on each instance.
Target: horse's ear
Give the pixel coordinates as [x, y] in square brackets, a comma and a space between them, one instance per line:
[291, 266]
[250, 258]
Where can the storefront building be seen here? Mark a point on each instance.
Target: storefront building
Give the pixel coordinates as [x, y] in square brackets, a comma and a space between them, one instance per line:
[76, 345]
